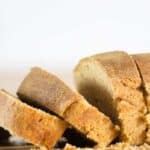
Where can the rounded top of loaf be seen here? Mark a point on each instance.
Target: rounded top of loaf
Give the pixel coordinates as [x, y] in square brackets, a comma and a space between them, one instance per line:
[119, 67]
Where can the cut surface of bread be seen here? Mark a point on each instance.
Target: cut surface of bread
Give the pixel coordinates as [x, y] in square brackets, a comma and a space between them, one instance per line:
[33, 125]
[91, 122]
[109, 81]
[143, 64]
[132, 123]
[47, 90]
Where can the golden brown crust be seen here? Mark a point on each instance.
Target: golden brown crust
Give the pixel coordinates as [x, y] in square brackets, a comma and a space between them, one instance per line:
[143, 62]
[49, 91]
[115, 76]
[35, 126]
[40, 86]
[122, 74]
[120, 67]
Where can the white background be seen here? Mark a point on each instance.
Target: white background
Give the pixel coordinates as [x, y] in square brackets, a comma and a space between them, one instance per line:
[55, 34]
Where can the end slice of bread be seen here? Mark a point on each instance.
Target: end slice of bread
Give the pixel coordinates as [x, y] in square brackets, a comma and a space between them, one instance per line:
[106, 80]
[33, 125]
[48, 91]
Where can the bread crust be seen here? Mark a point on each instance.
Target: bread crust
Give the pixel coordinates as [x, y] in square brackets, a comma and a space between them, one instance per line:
[120, 81]
[38, 86]
[49, 91]
[33, 125]
[122, 75]
[120, 67]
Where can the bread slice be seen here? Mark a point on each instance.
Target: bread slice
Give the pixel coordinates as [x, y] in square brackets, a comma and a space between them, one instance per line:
[111, 82]
[143, 64]
[47, 90]
[33, 125]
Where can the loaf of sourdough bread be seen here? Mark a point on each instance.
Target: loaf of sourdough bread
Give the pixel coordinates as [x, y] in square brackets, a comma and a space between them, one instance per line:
[33, 125]
[47, 90]
[111, 82]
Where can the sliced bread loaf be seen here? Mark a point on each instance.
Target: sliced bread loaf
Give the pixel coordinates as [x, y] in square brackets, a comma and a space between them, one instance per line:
[111, 82]
[48, 91]
[33, 125]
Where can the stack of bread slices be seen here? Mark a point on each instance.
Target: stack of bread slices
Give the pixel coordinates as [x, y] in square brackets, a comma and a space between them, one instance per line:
[111, 107]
